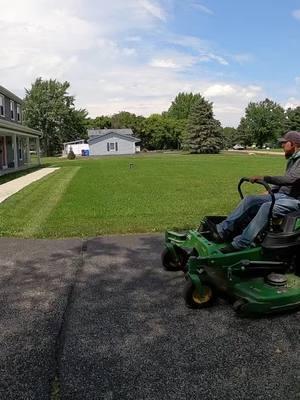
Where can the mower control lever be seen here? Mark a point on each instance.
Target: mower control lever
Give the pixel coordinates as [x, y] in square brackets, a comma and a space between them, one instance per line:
[267, 187]
[259, 182]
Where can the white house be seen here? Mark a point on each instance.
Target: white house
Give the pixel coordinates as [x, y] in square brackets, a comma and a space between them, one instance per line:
[19, 145]
[112, 142]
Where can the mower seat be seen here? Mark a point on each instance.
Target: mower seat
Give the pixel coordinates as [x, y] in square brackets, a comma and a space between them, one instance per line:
[287, 237]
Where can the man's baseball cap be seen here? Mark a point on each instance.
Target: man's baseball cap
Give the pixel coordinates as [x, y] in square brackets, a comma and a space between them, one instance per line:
[291, 136]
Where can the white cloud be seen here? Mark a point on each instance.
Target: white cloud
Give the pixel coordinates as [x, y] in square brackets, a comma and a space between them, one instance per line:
[243, 58]
[219, 90]
[154, 9]
[186, 41]
[217, 58]
[230, 100]
[296, 14]
[164, 63]
[202, 8]
[200, 48]
[173, 60]
[135, 39]
[292, 102]
[224, 89]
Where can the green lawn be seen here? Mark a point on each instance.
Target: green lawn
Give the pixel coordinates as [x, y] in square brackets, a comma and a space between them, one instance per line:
[88, 197]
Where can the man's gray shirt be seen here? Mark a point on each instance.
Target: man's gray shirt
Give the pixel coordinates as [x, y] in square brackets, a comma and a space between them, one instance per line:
[288, 184]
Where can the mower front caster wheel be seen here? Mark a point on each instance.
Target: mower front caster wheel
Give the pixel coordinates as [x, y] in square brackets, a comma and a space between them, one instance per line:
[172, 263]
[239, 306]
[193, 299]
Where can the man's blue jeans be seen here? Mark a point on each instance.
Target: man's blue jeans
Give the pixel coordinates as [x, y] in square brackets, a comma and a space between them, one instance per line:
[257, 208]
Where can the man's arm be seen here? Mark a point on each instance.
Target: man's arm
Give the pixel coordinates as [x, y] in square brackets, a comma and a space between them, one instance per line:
[290, 178]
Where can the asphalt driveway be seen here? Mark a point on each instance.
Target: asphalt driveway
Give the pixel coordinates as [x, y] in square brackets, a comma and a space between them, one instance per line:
[35, 280]
[110, 323]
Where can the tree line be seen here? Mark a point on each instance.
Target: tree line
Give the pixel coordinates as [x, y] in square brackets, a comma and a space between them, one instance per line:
[188, 124]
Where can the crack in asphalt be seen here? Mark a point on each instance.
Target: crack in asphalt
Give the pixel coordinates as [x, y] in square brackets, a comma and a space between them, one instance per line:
[55, 386]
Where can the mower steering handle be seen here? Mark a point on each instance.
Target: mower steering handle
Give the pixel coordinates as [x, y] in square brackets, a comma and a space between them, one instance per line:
[267, 187]
[259, 182]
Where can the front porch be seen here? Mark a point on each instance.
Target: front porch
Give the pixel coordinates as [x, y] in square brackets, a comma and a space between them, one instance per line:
[19, 147]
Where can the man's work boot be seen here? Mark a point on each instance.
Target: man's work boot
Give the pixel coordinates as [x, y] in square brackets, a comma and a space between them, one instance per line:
[214, 232]
[229, 249]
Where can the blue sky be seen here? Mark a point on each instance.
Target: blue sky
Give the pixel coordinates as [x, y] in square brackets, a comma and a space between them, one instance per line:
[136, 55]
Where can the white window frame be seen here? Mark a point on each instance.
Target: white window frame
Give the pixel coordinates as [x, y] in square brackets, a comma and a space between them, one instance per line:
[12, 109]
[19, 112]
[2, 105]
[112, 146]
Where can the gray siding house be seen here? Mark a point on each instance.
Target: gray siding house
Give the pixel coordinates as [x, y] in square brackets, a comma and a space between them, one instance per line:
[19, 145]
[112, 142]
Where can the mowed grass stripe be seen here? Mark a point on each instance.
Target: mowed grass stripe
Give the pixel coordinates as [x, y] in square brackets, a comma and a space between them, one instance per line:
[25, 213]
[37, 221]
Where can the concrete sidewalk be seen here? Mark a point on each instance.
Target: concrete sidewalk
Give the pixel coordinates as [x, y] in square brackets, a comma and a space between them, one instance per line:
[9, 188]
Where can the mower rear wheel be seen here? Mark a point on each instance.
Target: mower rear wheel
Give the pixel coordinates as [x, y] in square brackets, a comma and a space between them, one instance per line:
[170, 263]
[193, 299]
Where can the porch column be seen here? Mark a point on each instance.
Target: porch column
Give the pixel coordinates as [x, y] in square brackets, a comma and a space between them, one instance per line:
[27, 151]
[38, 149]
[4, 153]
[14, 143]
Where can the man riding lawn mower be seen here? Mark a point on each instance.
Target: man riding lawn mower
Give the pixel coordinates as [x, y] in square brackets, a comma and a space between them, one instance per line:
[253, 255]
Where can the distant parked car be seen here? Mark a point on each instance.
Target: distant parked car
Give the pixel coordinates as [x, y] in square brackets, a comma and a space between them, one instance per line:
[238, 147]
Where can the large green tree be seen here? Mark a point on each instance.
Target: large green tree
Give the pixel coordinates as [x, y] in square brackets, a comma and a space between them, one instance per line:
[75, 125]
[182, 104]
[48, 107]
[203, 130]
[292, 120]
[162, 132]
[101, 122]
[123, 119]
[243, 134]
[264, 121]
[229, 136]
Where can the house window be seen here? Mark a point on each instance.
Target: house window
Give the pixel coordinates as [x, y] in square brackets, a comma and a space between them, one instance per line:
[18, 113]
[2, 105]
[112, 146]
[12, 109]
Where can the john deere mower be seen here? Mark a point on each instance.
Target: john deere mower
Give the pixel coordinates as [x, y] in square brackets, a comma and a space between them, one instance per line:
[262, 279]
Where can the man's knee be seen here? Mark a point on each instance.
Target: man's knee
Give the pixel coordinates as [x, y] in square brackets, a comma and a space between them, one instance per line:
[251, 199]
[265, 207]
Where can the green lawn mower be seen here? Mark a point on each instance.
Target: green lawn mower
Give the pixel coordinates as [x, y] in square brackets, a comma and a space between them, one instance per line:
[263, 279]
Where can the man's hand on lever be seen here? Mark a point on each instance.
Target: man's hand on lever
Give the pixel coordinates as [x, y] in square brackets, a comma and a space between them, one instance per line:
[254, 179]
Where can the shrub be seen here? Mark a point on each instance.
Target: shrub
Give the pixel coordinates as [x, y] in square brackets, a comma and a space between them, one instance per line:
[71, 155]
